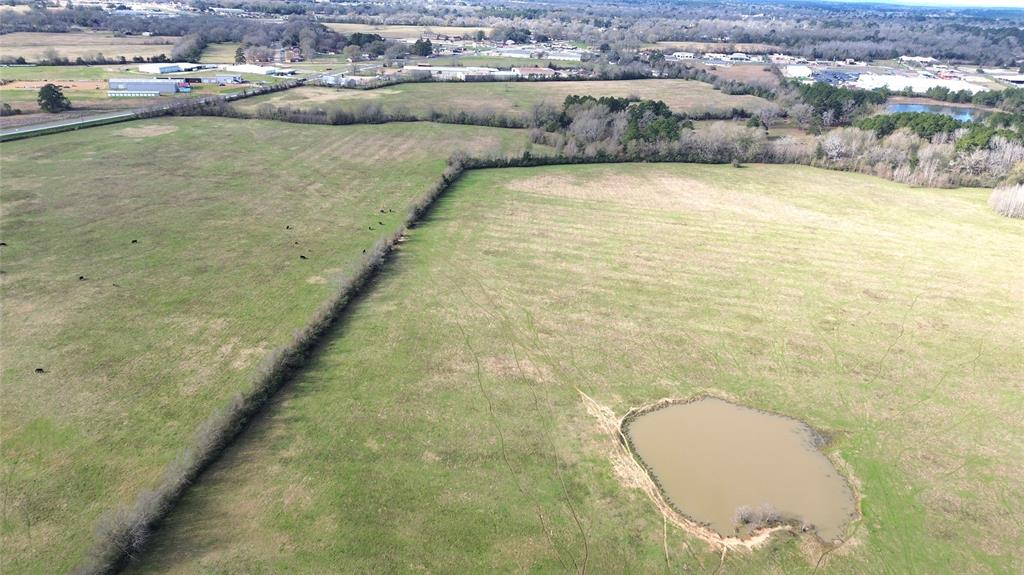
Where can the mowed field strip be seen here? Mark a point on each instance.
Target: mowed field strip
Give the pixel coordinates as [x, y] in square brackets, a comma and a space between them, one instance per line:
[504, 97]
[33, 45]
[442, 427]
[220, 53]
[160, 332]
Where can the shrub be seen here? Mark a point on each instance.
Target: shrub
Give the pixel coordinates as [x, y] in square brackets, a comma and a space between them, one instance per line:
[1008, 200]
[756, 518]
[923, 124]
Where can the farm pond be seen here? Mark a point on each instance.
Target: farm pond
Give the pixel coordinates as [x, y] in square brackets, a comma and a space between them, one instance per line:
[962, 113]
[736, 469]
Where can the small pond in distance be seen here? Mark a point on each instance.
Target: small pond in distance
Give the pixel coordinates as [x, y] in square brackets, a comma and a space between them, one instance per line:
[960, 113]
[729, 466]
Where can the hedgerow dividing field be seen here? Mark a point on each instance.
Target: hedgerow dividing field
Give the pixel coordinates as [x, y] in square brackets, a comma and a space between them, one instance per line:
[148, 269]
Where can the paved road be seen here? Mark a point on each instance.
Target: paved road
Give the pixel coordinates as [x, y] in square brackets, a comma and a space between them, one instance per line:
[67, 123]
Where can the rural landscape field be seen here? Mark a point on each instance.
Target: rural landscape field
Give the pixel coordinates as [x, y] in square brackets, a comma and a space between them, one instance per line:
[194, 283]
[683, 96]
[38, 45]
[459, 389]
[511, 287]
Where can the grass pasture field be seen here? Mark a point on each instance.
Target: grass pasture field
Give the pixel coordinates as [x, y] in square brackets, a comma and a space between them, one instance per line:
[443, 427]
[161, 332]
[757, 74]
[219, 53]
[504, 97]
[33, 45]
[64, 73]
[396, 31]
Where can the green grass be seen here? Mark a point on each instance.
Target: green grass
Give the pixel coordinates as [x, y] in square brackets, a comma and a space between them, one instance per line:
[505, 97]
[56, 73]
[30, 95]
[441, 429]
[161, 332]
[219, 53]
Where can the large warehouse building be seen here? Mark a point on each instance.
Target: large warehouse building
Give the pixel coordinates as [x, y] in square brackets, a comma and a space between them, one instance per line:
[144, 87]
[168, 67]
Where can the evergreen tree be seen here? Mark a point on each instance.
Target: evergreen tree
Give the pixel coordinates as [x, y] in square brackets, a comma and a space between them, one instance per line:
[422, 48]
[52, 99]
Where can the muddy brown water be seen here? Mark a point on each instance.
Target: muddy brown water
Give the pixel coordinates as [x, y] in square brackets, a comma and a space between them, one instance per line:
[711, 458]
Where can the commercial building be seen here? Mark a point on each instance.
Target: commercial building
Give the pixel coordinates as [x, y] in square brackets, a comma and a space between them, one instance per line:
[534, 73]
[221, 79]
[345, 80]
[786, 59]
[922, 60]
[538, 52]
[797, 71]
[449, 72]
[144, 87]
[918, 84]
[254, 69]
[834, 77]
[168, 67]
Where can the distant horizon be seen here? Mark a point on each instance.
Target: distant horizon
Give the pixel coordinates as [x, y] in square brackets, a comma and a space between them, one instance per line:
[1017, 4]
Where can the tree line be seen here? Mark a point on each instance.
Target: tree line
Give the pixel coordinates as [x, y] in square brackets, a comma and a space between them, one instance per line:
[835, 31]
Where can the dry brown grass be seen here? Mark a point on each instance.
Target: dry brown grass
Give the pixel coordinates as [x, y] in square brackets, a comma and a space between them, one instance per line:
[67, 84]
[758, 74]
[33, 45]
[1008, 200]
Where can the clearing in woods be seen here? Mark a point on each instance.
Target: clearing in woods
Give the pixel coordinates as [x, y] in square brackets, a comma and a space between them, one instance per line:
[442, 428]
[160, 332]
[505, 97]
[219, 53]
